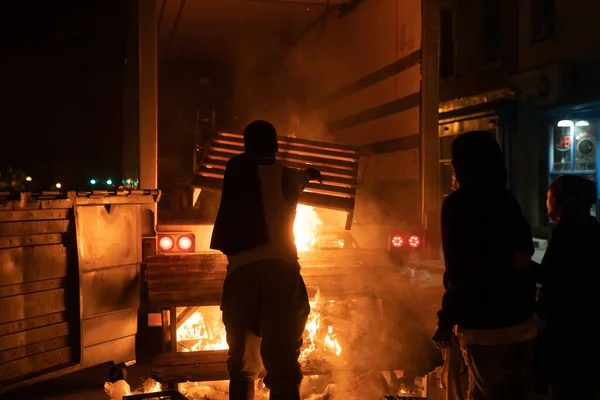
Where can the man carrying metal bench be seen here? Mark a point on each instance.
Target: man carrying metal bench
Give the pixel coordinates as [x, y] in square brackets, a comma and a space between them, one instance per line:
[265, 303]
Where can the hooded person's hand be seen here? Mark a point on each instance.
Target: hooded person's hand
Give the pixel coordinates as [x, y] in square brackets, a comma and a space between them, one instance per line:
[443, 338]
[314, 175]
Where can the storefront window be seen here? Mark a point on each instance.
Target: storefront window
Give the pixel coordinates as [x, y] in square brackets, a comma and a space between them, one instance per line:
[573, 147]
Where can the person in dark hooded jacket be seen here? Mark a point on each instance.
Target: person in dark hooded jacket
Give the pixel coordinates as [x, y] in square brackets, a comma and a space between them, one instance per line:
[568, 297]
[490, 288]
[265, 303]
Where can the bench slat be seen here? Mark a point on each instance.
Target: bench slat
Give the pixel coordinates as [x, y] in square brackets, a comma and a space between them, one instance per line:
[286, 140]
[327, 178]
[211, 161]
[282, 156]
[238, 146]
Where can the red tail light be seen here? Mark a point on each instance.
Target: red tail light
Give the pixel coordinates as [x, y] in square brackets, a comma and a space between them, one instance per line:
[165, 243]
[414, 241]
[402, 242]
[396, 241]
[185, 243]
[176, 243]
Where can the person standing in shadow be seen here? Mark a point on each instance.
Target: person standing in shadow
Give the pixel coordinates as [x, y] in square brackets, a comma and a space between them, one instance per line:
[569, 300]
[490, 287]
[455, 377]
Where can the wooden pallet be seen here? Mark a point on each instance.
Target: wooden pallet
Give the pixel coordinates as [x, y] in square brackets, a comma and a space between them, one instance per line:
[177, 367]
[198, 366]
[337, 163]
[198, 279]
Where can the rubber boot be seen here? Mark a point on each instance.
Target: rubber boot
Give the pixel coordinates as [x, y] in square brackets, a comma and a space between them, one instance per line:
[241, 390]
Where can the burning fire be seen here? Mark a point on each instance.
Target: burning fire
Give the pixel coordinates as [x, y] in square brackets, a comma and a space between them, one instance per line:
[331, 343]
[203, 330]
[306, 225]
[312, 341]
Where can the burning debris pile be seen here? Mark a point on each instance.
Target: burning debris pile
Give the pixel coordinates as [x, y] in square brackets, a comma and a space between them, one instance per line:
[344, 341]
[320, 340]
[341, 345]
[203, 330]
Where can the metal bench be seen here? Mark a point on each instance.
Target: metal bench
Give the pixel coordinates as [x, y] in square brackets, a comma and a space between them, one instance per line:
[337, 163]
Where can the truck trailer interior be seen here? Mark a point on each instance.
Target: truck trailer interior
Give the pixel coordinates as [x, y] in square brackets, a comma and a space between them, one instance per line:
[351, 86]
[341, 76]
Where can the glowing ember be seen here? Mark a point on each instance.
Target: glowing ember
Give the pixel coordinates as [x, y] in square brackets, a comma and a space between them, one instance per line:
[305, 227]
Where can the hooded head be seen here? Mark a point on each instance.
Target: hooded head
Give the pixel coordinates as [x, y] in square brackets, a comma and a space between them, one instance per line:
[260, 139]
[478, 161]
[570, 197]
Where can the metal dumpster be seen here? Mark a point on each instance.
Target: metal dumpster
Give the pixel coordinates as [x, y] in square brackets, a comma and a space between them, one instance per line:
[69, 281]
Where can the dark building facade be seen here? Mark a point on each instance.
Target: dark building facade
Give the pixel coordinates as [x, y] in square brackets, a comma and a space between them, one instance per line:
[527, 72]
[558, 93]
[478, 51]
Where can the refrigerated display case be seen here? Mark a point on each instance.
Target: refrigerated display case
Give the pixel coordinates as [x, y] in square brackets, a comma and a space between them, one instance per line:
[573, 149]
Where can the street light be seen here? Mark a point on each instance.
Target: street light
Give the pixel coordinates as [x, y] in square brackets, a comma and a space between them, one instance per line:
[58, 185]
[109, 182]
[93, 181]
[29, 179]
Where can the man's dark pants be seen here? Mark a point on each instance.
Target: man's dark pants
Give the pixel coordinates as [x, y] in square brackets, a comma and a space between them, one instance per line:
[265, 308]
[500, 372]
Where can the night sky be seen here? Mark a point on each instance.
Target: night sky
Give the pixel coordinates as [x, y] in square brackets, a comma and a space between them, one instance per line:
[62, 84]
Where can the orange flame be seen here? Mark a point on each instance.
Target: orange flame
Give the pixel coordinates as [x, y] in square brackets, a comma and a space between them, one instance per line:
[312, 326]
[197, 334]
[331, 343]
[312, 339]
[204, 330]
[306, 225]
